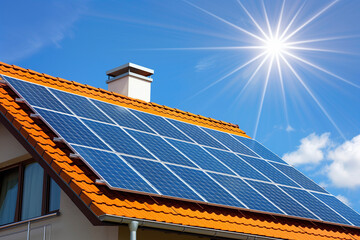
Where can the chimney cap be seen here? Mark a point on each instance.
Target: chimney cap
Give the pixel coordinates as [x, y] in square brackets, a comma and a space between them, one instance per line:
[130, 67]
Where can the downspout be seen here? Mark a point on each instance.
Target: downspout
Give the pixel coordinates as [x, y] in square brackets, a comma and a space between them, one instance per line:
[133, 226]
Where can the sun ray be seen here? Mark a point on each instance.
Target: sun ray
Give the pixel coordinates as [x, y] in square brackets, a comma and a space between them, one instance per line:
[321, 40]
[322, 69]
[203, 48]
[282, 90]
[310, 20]
[229, 74]
[292, 21]
[313, 97]
[253, 20]
[251, 77]
[280, 19]
[225, 21]
[263, 97]
[317, 50]
[267, 20]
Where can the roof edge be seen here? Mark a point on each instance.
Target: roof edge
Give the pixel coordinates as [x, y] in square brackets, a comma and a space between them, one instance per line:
[180, 228]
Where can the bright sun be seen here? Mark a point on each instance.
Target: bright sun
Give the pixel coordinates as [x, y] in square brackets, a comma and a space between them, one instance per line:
[275, 46]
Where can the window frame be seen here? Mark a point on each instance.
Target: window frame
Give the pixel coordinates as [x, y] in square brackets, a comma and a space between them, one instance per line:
[45, 190]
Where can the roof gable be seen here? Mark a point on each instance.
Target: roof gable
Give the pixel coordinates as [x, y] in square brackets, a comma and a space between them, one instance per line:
[102, 201]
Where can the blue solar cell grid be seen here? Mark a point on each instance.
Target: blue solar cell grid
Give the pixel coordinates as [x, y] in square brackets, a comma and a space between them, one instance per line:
[160, 125]
[205, 186]
[269, 171]
[231, 142]
[37, 95]
[314, 205]
[245, 193]
[279, 198]
[116, 172]
[118, 139]
[200, 157]
[237, 164]
[161, 178]
[71, 129]
[81, 106]
[161, 149]
[197, 134]
[259, 149]
[123, 146]
[122, 116]
[339, 207]
[298, 177]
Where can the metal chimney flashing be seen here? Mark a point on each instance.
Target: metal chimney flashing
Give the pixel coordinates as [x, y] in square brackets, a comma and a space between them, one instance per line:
[130, 67]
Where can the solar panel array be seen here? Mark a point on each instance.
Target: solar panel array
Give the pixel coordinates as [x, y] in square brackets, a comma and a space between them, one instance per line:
[137, 151]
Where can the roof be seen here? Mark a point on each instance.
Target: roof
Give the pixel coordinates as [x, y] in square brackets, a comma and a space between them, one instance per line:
[94, 200]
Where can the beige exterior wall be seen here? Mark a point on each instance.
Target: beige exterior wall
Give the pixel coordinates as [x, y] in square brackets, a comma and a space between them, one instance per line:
[71, 224]
[154, 234]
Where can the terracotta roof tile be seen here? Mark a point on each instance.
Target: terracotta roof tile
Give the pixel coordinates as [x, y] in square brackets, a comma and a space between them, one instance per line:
[102, 200]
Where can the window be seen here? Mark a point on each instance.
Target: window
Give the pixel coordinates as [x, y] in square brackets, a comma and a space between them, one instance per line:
[26, 192]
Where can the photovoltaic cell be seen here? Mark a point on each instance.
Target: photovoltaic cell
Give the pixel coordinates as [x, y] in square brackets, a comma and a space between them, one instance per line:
[298, 177]
[37, 95]
[197, 134]
[200, 157]
[259, 149]
[119, 140]
[116, 172]
[160, 125]
[230, 142]
[205, 186]
[160, 148]
[340, 207]
[81, 106]
[160, 177]
[245, 193]
[121, 116]
[237, 164]
[314, 205]
[280, 199]
[269, 171]
[71, 129]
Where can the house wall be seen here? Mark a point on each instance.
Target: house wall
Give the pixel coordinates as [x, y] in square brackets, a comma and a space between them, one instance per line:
[155, 234]
[71, 224]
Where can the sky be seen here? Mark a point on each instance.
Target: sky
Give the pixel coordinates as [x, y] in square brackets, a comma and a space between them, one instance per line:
[285, 71]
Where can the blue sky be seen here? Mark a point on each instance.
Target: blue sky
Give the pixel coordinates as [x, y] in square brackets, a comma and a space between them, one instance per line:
[313, 122]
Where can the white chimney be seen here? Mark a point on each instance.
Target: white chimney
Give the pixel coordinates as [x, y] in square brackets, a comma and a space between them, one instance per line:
[131, 80]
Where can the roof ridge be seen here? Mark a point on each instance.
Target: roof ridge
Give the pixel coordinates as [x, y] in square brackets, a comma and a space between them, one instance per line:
[234, 128]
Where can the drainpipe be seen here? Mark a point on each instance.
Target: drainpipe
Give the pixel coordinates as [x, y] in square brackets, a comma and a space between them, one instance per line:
[133, 226]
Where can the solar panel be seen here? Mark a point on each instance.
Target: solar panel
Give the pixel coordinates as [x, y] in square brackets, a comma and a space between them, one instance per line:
[200, 157]
[205, 186]
[81, 106]
[142, 152]
[160, 125]
[314, 205]
[160, 177]
[259, 149]
[116, 172]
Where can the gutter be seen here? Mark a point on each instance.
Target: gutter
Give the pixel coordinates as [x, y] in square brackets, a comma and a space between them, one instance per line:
[182, 228]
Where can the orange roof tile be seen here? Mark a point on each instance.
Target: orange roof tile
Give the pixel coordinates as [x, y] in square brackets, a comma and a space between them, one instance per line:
[102, 200]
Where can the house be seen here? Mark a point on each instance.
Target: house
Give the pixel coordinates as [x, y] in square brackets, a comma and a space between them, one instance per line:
[50, 191]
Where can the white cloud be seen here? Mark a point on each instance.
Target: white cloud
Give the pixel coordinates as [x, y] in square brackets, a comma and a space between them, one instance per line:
[344, 171]
[311, 150]
[343, 199]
